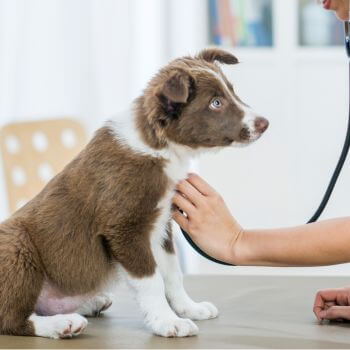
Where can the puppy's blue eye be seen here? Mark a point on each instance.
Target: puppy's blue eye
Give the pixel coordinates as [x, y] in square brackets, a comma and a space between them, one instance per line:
[216, 103]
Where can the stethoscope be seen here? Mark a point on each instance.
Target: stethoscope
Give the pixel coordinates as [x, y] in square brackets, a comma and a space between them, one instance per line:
[334, 177]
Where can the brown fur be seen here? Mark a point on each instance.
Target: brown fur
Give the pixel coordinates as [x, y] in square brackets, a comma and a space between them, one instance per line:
[92, 214]
[168, 243]
[21, 276]
[100, 209]
[217, 55]
[185, 88]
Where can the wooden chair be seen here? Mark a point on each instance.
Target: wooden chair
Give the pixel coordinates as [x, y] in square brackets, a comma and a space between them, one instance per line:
[33, 152]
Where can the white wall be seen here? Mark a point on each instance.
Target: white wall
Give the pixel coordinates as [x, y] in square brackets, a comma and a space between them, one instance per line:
[89, 58]
[280, 180]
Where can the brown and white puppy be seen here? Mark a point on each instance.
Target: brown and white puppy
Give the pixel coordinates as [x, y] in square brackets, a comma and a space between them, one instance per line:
[109, 210]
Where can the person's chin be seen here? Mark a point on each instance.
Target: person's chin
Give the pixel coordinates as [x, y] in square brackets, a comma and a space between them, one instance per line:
[340, 11]
[342, 15]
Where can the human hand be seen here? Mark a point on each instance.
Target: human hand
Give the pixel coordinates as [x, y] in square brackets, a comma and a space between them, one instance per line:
[332, 304]
[208, 221]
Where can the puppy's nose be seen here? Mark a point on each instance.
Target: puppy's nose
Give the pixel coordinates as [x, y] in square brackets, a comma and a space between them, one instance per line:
[261, 124]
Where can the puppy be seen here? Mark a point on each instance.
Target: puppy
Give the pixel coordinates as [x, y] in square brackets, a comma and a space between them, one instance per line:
[109, 210]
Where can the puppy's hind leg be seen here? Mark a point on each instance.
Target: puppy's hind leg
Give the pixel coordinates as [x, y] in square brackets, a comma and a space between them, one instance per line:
[21, 280]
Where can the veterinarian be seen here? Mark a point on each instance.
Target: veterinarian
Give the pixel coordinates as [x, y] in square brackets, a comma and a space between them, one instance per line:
[213, 228]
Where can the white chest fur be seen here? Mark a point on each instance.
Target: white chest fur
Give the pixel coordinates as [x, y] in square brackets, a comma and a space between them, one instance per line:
[176, 172]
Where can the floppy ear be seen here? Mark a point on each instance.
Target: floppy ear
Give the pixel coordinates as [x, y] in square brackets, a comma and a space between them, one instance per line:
[211, 55]
[175, 92]
[176, 87]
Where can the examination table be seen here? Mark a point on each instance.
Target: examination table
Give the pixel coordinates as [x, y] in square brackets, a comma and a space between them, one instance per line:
[255, 312]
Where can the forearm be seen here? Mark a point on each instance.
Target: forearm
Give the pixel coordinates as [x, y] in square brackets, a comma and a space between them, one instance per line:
[321, 243]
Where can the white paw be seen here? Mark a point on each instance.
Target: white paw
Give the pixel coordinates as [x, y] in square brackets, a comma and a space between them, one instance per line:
[196, 311]
[59, 326]
[96, 305]
[177, 327]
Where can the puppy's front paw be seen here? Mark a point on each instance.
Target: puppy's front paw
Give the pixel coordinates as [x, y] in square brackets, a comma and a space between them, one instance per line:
[196, 311]
[177, 327]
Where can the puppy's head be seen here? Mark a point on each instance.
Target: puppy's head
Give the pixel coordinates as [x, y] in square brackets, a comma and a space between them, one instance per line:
[191, 102]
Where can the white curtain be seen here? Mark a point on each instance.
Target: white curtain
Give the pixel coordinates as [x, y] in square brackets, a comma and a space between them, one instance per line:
[81, 58]
[85, 58]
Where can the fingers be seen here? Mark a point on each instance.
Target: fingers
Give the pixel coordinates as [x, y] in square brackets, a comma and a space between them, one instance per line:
[325, 295]
[326, 299]
[202, 186]
[184, 204]
[329, 304]
[336, 312]
[190, 192]
[181, 220]
[328, 295]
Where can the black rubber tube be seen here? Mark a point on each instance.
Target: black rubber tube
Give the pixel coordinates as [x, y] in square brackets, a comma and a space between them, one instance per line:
[337, 170]
[329, 189]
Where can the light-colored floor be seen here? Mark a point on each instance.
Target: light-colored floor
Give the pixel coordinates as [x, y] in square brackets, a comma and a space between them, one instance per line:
[255, 312]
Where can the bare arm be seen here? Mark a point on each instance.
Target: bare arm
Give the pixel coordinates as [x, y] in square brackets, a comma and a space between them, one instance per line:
[321, 243]
[215, 231]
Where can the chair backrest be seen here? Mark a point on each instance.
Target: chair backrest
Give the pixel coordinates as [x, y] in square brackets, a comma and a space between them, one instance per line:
[33, 152]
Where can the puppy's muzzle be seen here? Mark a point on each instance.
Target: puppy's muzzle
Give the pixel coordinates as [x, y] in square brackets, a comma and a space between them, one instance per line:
[252, 130]
[261, 124]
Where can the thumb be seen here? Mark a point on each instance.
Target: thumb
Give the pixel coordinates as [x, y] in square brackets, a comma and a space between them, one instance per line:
[335, 312]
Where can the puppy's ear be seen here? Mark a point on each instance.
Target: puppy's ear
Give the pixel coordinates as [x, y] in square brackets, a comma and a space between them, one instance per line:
[176, 87]
[211, 55]
[175, 92]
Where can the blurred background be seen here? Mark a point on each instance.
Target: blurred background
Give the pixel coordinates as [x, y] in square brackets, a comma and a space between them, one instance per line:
[88, 59]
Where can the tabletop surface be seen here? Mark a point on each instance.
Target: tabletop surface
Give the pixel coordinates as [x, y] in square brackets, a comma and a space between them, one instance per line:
[255, 312]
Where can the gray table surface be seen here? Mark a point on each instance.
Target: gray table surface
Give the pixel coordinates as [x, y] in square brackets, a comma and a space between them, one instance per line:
[255, 312]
